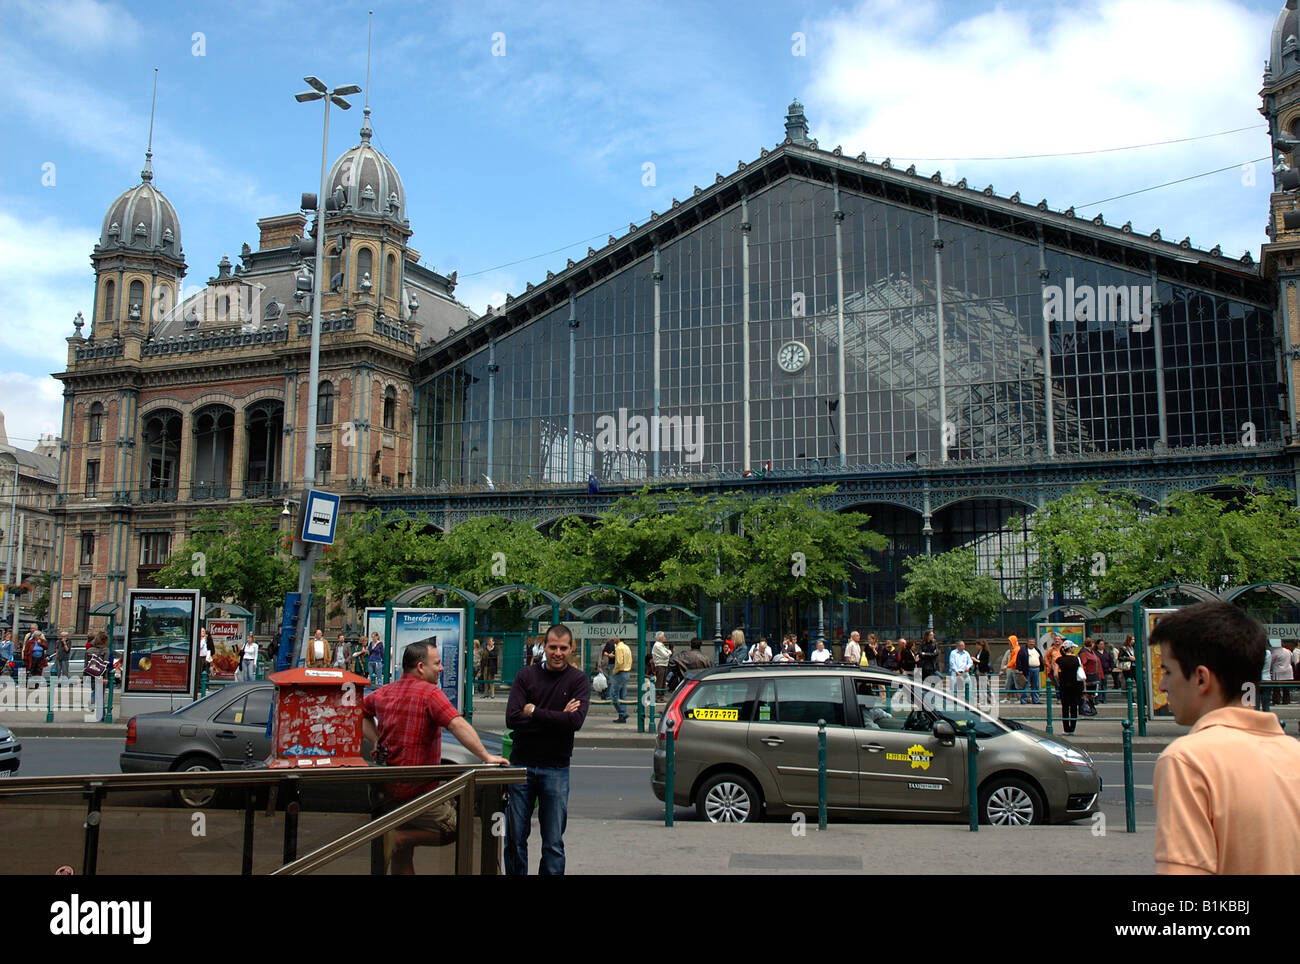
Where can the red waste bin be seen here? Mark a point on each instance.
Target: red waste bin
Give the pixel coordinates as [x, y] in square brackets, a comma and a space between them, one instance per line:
[316, 720]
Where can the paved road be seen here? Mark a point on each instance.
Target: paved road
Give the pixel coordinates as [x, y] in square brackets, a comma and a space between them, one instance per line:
[610, 784]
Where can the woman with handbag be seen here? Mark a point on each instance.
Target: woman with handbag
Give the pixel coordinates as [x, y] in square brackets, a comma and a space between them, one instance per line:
[1070, 676]
[1127, 659]
[96, 664]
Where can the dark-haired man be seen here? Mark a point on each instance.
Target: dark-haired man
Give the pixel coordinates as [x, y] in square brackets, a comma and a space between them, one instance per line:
[1223, 789]
[547, 706]
[404, 720]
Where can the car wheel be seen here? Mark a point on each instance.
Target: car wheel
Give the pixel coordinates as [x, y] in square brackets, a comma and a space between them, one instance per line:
[196, 797]
[728, 798]
[1008, 802]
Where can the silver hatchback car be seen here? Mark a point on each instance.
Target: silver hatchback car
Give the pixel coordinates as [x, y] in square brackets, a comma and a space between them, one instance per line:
[746, 745]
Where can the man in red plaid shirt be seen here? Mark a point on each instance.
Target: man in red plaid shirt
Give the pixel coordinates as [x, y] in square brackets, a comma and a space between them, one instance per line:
[405, 719]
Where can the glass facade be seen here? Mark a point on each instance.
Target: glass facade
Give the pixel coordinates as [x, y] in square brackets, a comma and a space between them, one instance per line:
[1218, 358]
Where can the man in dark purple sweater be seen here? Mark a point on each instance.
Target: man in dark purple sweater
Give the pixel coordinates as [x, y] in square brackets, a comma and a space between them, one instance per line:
[547, 706]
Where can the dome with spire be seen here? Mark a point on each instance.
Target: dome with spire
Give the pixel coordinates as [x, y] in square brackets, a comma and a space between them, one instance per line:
[364, 181]
[142, 219]
[1284, 50]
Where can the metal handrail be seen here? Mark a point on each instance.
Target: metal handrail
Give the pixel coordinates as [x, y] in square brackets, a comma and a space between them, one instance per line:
[108, 782]
[353, 839]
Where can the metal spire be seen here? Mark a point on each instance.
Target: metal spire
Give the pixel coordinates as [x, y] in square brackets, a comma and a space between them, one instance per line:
[147, 173]
[365, 123]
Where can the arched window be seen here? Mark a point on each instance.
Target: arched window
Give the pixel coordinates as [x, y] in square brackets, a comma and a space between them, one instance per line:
[390, 407]
[265, 430]
[364, 268]
[135, 303]
[214, 439]
[336, 270]
[96, 422]
[110, 302]
[325, 404]
[390, 277]
[162, 446]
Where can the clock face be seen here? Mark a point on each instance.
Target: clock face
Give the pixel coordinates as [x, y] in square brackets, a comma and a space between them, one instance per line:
[793, 356]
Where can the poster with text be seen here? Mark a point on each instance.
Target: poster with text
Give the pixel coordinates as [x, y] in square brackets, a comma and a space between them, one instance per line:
[1158, 701]
[162, 639]
[226, 640]
[444, 628]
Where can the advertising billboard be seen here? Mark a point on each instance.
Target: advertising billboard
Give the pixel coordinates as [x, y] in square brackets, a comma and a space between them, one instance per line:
[162, 639]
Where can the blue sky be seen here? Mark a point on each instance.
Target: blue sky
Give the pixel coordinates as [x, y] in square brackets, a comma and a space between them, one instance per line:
[515, 162]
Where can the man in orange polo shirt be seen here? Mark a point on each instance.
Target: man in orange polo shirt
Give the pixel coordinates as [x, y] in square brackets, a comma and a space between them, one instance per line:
[1223, 789]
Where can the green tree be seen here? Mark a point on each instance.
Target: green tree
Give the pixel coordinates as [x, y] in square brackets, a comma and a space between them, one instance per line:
[949, 587]
[233, 554]
[377, 556]
[797, 551]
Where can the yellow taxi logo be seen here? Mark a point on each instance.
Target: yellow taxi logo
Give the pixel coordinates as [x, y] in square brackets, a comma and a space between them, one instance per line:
[709, 713]
[918, 756]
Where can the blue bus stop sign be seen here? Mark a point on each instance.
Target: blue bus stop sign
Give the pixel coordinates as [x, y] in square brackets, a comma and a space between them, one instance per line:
[320, 518]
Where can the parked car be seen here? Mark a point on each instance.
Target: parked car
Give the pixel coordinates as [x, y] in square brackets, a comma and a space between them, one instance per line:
[224, 731]
[11, 752]
[746, 745]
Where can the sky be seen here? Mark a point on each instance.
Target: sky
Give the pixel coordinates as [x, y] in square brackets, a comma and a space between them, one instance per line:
[526, 132]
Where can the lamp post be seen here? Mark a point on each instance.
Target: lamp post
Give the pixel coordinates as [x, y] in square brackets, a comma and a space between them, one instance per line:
[319, 91]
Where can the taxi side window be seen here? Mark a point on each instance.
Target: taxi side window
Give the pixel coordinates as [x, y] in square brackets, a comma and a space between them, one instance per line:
[879, 705]
[809, 699]
[723, 700]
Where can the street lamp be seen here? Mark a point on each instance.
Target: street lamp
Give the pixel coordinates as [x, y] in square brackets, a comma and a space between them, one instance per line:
[319, 91]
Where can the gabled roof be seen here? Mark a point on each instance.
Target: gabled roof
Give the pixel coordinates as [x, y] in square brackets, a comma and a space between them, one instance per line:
[1176, 261]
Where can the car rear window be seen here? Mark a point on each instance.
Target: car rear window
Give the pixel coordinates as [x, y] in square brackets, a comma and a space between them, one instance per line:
[726, 700]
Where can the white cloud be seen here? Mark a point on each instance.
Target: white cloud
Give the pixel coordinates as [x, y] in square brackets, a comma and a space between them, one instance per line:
[55, 283]
[487, 289]
[903, 78]
[80, 25]
[33, 406]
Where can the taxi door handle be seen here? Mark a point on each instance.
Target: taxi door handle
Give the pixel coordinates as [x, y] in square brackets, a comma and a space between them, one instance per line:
[225, 735]
[772, 740]
[873, 747]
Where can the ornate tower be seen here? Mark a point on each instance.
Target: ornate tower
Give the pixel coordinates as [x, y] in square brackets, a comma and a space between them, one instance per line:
[1281, 255]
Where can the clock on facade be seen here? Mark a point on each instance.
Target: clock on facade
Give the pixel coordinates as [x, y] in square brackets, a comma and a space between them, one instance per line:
[793, 356]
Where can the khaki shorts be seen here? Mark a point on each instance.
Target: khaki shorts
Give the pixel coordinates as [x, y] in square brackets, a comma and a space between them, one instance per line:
[440, 818]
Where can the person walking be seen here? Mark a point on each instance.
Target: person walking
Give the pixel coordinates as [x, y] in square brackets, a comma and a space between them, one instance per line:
[35, 656]
[476, 680]
[853, 649]
[249, 661]
[1092, 670]
[490, 654]
[929, 655]
[548, 705]
[1069, 685]
[983, 668]
[1029, 664]
[97, 666]
[661, 653]
[7, 662]
[618, 680]
[63, 656]
[1008, 666]
[1280, 657]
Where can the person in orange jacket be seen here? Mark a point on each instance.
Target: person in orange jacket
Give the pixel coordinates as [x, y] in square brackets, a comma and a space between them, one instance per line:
[1009, 666]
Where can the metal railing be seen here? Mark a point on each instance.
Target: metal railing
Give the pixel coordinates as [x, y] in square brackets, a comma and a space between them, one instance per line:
[471, 785]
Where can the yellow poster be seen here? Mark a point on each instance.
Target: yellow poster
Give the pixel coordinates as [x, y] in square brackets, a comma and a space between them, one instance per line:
[1159, 702]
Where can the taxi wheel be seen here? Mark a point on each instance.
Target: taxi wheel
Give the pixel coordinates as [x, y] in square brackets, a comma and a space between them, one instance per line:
[196, 797]
[1008, 802]
[728, 798]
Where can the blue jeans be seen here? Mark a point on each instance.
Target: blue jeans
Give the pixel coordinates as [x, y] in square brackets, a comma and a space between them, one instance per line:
[1031, 685]
[618, 692]
[549, 788]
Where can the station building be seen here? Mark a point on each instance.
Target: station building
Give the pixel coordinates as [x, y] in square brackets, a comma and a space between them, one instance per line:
[950, 356]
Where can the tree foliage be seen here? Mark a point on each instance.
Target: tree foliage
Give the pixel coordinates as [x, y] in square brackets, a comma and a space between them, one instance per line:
[948, 586]
[233, 554]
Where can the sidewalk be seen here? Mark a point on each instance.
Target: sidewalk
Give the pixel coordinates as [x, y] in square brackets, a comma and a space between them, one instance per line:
[647, 847]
